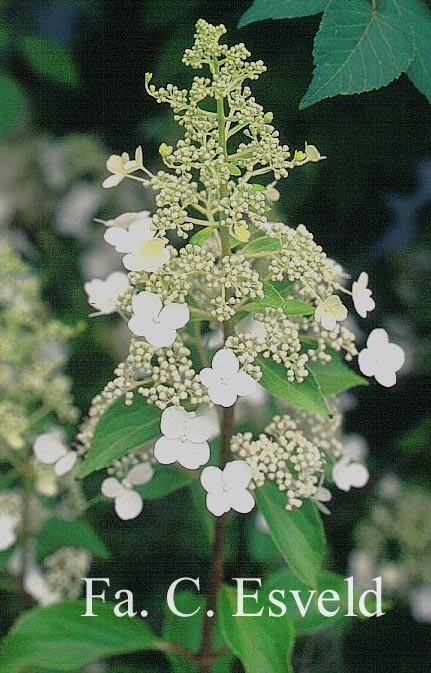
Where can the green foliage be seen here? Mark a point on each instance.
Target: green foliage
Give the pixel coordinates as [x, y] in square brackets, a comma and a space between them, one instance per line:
[185, 631]
[49, 60]
[57, 533]
[335, 376]
[260, 246]
[281, 9]
[120, 429]
[201, 236]
[307, 395]
[298, 535]
[274, 299]
[59, 636]
[262, 644]
[166, 480]
[361, 45]
[12, 98]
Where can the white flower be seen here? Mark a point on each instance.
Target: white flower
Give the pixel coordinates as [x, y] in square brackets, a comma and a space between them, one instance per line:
[155, 322]
[355, 446]
[144, 251]
[420, 603]
[381, 358]
[121, 167]
[185, 439]
[103, 294]
[224, 381]
[227, 489]
[50, 449]
[361, 294]
[128, 503]
[124, 220]
[347, 474]
[37, 587]
[330, 311]
[7, 531]
[321, 496]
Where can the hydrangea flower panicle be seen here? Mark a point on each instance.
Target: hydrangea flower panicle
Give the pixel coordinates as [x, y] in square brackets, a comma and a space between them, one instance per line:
[185, 439]
[157, 323]
[224, 381]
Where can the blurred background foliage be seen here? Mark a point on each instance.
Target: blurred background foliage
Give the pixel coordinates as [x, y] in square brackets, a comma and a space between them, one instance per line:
[71, 93]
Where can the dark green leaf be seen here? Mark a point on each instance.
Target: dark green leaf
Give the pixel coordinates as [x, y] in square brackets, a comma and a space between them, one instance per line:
[306, 395]
[298, 534]
[335, 376]
[120, 429]
[57, 533]
[201, 236]
[260, 246]
[418, 15]
[166, 480]
[359, 49]
[49, 60]
[274, 299]
[12, 98]
[60, 637]
[186, 631]
[281, 9]
[262, 644]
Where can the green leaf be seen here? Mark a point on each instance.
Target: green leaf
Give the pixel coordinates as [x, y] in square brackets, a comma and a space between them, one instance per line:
[281, 9]
[12, 98]
[259, 246]
[57, 533]
[358, 49]
[335, 376]
[418, 15]
[120, 429]
[234, 170]
[298, 534]
[201, 236]
[166, 480]
[274, 299]
[306, 395]
[262, 644]
[49, 60]
[186, 631]
[313, 620]
[60, 637]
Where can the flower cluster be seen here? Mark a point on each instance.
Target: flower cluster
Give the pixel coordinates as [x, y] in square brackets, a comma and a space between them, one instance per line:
[269, 291]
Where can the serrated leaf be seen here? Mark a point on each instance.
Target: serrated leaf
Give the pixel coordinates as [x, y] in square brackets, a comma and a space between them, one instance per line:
[49, 60]
[166, 479]
[186, 631]
[12, 98]
[335, 376]
[358, 49]
[262, 644]
[60, 637]
[120, 429]
[306, 395]
[201, 236]
[298, 535]
[57, 533]
[418, 15]
[281, 9]
[259, 246]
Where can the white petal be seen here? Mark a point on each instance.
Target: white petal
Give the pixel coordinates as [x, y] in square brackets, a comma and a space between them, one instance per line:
[140, 474]
[222, 394]
[241, 501]
[140, 232]
[119, 238]
[212, 480]
[209, 377]
[175, 316]
[218, 504]
[111, 487]
[48, 448]
[7, 532]
[112, 181]
[237, 475]
[378, 340]
[147, 304]
[166, 450]
[174, 422]
[328, 321]
[396, 356]
[244, 384]
[346, 474]
[200, 429]
[159, 336]
[138, 325]
[367, 362]
[65, 463]
[191, 455]
[225, 362]
[385, 376]
[128, 504]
